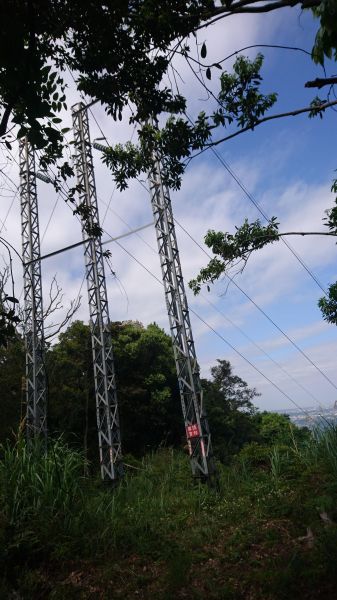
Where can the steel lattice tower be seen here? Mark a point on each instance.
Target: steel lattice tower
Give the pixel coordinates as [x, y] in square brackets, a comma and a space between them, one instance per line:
[104, 373]
[196, 423]
[36, 390]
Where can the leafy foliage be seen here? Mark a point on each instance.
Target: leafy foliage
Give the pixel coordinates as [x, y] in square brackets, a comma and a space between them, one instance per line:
[8, 319]
[240, 96]
[275, 428]
[109, 46]
[328, 304]
[148, 394]
[240, 101]
[230, 410]
[8, 310]
[326, 37]
[174, 142]
[230, 249]
[12, 369]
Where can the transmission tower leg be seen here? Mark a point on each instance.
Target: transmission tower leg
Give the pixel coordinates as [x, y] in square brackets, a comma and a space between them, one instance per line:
[196, 423]
[105, 385]
[36, 389]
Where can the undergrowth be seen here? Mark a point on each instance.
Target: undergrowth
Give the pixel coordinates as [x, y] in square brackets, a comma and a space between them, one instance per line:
[269, 533]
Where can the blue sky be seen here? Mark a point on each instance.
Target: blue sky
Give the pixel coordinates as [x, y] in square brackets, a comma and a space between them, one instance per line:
[287, 165]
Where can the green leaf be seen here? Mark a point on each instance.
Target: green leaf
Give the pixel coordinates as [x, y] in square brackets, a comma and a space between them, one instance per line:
[203, 52]
[208, 73]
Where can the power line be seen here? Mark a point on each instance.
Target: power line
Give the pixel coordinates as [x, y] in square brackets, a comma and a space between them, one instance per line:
[226, 318]
[63, 192]
[241, 331]
[127, 224]
[265, 216]
[107, 205]
[51, 214]
[8, 211]
[77, 244]
[262, 311]
[50, 218]
[261, 349]
[238, 352]
[249, 362]
[258, 207]
[221, 337]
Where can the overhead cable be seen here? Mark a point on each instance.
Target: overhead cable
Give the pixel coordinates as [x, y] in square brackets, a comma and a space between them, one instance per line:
[231, 279]
[222, 337]
[260, 309]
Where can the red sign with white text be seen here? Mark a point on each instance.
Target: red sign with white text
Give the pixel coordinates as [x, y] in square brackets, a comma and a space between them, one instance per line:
[192, 431]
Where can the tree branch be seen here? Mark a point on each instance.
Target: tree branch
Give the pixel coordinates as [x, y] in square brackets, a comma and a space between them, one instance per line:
[244, 6]
[55, 304]
[219, 62]
[321, 82]
[55, 298]
[293, 113]
[308, 233]
[74, 306]
[4, 119]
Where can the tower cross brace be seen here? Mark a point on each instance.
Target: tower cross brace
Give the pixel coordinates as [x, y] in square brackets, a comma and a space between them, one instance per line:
[191, 394]
[35, 383]
[104, 373]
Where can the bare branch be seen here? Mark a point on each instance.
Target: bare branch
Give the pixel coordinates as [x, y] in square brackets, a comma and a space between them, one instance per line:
[74, 306]
[219, 62]
[55, 298]
[56, 304]
[293, 113]
[246, 6]
[333, 234]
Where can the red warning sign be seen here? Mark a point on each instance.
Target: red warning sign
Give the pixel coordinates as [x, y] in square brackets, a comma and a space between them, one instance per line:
[192, 431]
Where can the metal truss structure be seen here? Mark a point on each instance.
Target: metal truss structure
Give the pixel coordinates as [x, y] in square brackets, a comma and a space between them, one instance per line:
[196, 423]
[104, 373]
[35, 381]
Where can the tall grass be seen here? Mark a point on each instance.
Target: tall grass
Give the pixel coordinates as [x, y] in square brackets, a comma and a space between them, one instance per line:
[46, 502]
[36, 483]
[268, 497]
[320, 450]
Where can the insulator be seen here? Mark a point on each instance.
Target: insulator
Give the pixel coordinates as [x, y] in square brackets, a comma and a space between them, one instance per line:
[99, 146]
[43, 177]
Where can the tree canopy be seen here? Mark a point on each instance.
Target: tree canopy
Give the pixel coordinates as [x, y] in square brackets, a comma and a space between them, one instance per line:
[147, 389]
[120, 53]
